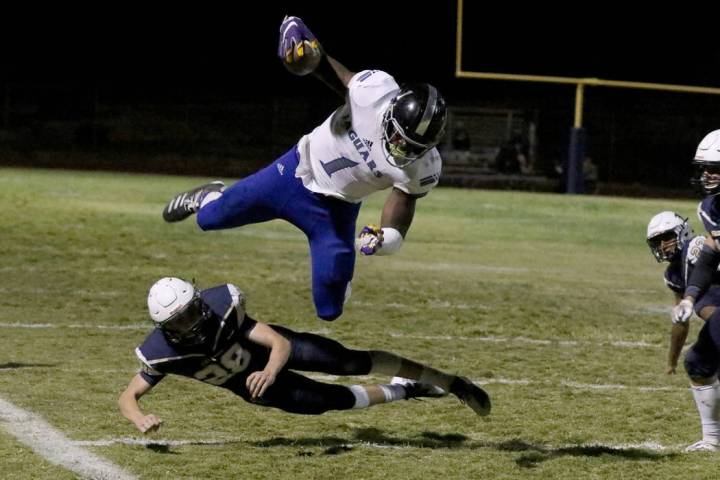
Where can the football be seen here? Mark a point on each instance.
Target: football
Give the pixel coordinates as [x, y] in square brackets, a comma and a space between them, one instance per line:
[304, 59]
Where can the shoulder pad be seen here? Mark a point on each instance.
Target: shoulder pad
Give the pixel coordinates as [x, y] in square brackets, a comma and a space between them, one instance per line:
[709, 217]
[371, 86]
[694, 248]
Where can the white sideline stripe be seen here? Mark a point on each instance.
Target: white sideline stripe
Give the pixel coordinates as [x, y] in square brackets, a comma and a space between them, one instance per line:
[32, 430]
[489, 339]
[147, 326]
[571, 384]
[365, 379]
[510, 381]
[652, 446]
[531, 341]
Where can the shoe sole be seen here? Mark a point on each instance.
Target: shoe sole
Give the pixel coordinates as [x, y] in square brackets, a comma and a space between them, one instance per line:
[481, 407]
[473, 396]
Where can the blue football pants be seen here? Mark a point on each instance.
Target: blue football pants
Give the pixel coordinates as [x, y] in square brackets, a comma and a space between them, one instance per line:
[329, 224]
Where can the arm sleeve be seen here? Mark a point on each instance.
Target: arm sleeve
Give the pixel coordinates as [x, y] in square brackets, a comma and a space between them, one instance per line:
[701, 277]
[247, 325]
[148, 373]
[671, 284]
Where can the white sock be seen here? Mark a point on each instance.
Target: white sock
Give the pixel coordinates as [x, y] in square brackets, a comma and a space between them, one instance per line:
[366, 396]
[348, 292]
[708, 405]
[362, 399]
[393, 392]
[210, 197]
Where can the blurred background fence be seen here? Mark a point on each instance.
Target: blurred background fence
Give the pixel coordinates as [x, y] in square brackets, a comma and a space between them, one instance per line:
[639, 142]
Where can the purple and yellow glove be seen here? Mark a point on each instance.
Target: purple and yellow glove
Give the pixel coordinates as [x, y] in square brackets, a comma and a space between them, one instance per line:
[298, 48]
[369, 240]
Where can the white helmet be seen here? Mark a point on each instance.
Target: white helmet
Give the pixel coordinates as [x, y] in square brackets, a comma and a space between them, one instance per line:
[666, 227]
[707, 163]
[176, 308]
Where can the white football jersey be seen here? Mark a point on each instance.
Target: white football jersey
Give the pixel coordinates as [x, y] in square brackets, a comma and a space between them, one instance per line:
[352, 165]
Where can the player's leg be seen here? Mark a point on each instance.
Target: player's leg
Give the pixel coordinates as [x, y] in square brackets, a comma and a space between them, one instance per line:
[315, 353]
[254, 199]
[296, 393]
[388, 363]
[331, 233]
[706, 304]
[701, 363]
[320, 354]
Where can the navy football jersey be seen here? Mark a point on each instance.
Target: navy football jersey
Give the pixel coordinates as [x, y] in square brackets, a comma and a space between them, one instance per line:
[224, 361]
[678, 272]
[709, 214]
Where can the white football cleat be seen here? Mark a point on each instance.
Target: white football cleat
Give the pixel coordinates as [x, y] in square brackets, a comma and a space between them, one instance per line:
[703, 446]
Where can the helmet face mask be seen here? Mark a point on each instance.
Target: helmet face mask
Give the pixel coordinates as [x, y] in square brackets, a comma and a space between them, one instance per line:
[187, 327]
[665, 246]
[707, 176]
[707, 163]
[177, 309]
[413, 124]
[667, 231]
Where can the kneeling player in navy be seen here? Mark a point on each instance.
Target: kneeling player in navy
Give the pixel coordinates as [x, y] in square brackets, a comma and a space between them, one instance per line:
[671, 240]
[206, 335]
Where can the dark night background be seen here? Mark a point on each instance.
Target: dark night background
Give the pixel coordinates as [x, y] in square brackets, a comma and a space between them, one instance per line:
[199, 90]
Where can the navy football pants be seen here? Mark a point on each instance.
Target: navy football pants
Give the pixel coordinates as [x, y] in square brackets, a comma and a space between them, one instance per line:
[297, 393]
[328, 223]
[703, 358]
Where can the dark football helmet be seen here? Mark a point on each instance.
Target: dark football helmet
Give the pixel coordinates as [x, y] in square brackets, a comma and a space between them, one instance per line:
[413, 124]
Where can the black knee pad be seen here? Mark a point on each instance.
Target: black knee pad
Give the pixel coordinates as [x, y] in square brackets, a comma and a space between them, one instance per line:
[700, 365]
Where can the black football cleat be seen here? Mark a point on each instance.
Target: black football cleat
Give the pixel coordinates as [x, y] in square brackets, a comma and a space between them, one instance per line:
[187, 203]
[471, 395]
[422, 390]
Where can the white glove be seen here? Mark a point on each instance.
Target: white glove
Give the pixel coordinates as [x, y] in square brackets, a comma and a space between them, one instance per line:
[369, 240]
[682, 312]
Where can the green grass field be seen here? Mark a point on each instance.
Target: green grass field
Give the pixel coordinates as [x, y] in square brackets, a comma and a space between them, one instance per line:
[553, 302]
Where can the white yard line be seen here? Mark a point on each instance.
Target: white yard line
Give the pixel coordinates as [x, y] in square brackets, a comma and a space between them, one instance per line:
[139, 326]
[509, 381]
[531, 341]
[32, 430]
[488, 339]
[649, 446]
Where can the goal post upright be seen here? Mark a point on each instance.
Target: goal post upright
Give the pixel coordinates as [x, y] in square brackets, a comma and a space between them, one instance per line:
[576, 148]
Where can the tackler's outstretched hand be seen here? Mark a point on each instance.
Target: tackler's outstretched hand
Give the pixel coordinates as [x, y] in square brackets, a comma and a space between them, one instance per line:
[298, 49]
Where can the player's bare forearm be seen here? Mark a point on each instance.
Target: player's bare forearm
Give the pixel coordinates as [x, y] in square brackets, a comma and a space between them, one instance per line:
[130, 408]
[262, 334]
[279, 355]
[398, 211]
[678, 335]
[333, 74]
